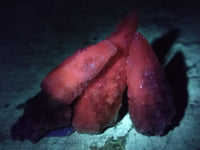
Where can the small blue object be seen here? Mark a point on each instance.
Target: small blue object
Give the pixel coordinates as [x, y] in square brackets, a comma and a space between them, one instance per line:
[60, 132]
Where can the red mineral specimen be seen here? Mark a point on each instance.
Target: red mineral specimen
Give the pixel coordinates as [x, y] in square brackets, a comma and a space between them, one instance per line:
[99, 74]
[71, 77]
[150, 101]
[99, 105]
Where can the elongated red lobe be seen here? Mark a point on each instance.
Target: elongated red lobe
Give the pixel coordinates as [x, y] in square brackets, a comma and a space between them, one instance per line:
[71, 77]
[99, 105]
[150, 101]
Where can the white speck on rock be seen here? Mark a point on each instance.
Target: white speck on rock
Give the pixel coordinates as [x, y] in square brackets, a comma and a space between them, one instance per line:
[92, 65]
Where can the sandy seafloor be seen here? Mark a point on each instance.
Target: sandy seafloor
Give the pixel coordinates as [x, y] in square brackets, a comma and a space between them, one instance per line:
[35, 36]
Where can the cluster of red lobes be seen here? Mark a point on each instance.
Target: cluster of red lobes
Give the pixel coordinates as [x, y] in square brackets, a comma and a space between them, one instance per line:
[95, 78]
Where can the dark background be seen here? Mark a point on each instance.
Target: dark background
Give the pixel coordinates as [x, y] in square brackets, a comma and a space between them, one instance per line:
[35, 36]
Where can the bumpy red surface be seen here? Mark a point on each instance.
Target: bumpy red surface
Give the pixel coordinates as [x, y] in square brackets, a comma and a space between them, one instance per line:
[150, 100]
[103, 96]
[70, 78]
[96, 77]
